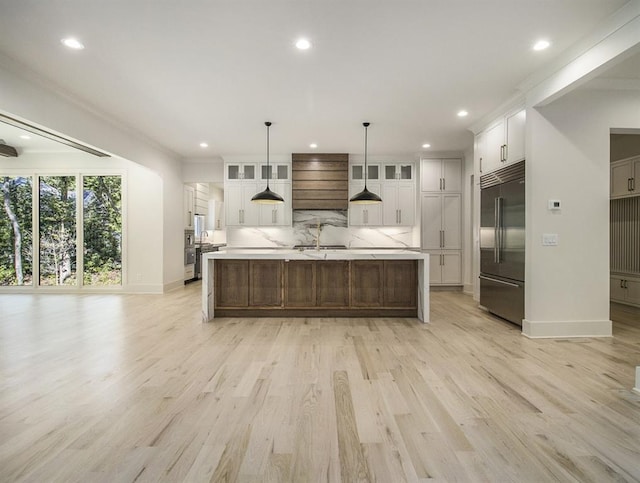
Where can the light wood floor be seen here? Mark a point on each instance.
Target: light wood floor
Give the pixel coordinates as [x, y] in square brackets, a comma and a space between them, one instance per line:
[110, 388]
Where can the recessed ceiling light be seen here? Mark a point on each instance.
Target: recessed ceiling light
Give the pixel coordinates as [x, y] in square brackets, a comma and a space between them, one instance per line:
[541, 45]
[313, 145]
[72, 43]
[24, 136]
[426, 145]
[303, 44]
[463, 113]
[204, 145]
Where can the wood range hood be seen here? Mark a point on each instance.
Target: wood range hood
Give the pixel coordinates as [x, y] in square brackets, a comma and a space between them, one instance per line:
[320, 181]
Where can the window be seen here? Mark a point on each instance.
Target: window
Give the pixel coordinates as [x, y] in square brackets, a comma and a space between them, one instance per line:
[16, 238]
[76, 240]
[102, 225]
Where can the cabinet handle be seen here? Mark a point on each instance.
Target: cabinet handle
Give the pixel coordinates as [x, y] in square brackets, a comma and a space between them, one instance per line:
[506, 152]
[444, 184]
[629, 184]
[440, 184]
[625, 284]
[190, 218]
[481, 165]
[633, 184]
[400, 217]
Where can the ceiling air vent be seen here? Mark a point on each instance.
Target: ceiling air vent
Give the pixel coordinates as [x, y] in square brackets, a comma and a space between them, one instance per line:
[7, 151]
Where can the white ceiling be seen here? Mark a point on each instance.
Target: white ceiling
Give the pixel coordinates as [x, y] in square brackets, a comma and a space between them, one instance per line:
[182, 72]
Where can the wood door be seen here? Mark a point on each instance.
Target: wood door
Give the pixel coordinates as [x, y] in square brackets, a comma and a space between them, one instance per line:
[400, 283]
[366, 283]
[232, 283]
[265, 283]
[300, 283]
[332, 283]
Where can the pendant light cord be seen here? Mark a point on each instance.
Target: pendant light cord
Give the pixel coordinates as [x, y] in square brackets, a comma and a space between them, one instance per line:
[268, 124]
[366, 128]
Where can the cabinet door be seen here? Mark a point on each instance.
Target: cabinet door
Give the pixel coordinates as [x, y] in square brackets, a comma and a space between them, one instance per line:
[250, 210]
[435, 268]
[452, 175]
[332, 283]
[431, 174]
[233, 172]
[389, 204]
[233, 204]
[616, 289]
[366, 283]
[515, 126]
[232, 283]
[493, 139]
[400, 283]
[406, 205]
[265, 283]
[300, 283]
[431, 221]
[635, 182]
[621, 175]
[633, 292]
[451, 268]
[451, 206]
[405, 171]
[189, 206]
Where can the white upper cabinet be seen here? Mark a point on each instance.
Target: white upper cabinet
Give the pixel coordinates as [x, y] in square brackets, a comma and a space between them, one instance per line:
[502, 143]
[241, 171]
[243, 181]
[625, 178]
[514, 136]
[398, 172]
[441, 175]
[189, 203]
[356, 173]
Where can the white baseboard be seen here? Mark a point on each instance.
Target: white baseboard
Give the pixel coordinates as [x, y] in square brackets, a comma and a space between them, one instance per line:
[468, 288]
[566, 328]
[172, 285]
[143, 288]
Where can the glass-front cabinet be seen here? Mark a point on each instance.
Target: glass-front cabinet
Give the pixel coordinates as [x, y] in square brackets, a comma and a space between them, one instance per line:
[399, 171]
[240, 171]
[356, 172]
[275, 171]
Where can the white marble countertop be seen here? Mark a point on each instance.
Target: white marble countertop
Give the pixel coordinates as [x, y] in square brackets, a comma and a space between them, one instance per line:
[312, 254]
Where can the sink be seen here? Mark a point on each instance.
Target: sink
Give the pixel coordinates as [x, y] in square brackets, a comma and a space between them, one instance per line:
[322, 247]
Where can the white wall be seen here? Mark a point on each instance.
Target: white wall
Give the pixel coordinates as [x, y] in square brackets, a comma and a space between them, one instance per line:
[567, 290]
[28, 98]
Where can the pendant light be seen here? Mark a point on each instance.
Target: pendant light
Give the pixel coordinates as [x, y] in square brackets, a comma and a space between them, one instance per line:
[365, 197]
[267, 197]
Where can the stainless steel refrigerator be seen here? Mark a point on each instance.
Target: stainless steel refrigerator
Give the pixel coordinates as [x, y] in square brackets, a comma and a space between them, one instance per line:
[502, 242]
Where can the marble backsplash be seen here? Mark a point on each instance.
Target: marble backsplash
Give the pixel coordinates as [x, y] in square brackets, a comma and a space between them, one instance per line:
[334, 230]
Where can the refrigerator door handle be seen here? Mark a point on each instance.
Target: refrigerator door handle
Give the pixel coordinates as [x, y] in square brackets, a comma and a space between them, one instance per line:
[495, 230]
[499, 281]
[499, 230]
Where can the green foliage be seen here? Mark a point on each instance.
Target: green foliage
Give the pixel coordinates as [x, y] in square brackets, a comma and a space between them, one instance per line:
[57, 205]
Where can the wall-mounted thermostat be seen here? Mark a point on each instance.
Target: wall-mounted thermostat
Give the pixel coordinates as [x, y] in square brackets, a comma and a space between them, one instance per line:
[554, 204]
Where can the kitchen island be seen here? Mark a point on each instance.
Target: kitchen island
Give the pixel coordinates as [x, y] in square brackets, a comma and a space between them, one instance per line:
[315, 283]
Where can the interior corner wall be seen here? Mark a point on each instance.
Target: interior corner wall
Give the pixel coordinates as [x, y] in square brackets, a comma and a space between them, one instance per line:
[567, 286]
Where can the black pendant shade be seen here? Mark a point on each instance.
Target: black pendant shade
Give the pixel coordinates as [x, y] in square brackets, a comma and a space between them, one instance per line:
[267, 197]
[365, 197]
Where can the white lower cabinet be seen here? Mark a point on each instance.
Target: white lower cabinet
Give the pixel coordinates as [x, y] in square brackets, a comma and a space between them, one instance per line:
[624, 289]
[445, 268]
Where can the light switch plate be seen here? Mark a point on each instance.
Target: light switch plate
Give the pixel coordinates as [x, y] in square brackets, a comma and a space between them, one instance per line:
[550, 239]
[555, 205]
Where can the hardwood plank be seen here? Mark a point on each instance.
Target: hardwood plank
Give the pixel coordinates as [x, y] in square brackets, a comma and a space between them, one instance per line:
[99, 387]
